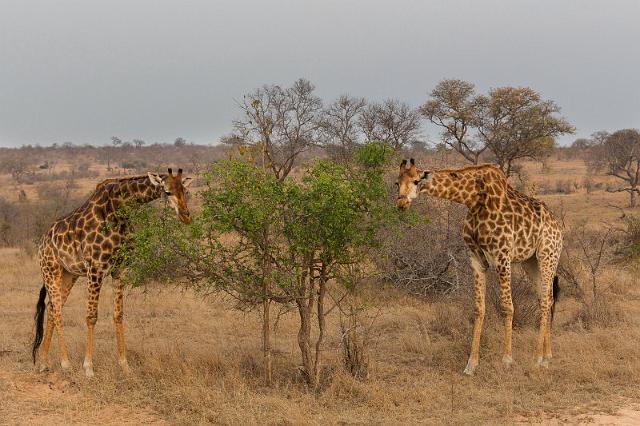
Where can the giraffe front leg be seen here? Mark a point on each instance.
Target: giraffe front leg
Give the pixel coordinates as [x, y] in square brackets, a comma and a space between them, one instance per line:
[479, 309]
[93, 290]
[118, 313]
[504, 276]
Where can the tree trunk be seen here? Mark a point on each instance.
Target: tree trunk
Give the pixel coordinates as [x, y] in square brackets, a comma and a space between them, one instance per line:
[266, 313]
[476, 158]
[305, 304]
[321, 324]
[633, 194]
[266, 337]
[304, 338]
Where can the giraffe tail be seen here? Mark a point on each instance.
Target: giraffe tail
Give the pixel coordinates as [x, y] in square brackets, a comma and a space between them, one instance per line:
[39, 319]
[555, 292]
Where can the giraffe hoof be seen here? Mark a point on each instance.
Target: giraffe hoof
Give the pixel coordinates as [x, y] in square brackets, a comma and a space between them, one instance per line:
[543, 363]
[470, 368]
[125, 367]
[507, 361]
[43, 368]
[65, 364]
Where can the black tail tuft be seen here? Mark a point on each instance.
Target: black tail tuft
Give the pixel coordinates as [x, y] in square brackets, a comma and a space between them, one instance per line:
[39, 319]
[555, 291]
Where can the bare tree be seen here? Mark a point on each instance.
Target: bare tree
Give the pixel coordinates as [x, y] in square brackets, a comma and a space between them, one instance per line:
[282, 122]
[339, 124]
[453, 106]
[515, 123]
[391, 121]
[17, 166]
[138, 143]
[619, 154]
[582, 144]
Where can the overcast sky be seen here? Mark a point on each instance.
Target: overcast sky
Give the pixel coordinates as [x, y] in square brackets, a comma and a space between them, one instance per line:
[84, 71]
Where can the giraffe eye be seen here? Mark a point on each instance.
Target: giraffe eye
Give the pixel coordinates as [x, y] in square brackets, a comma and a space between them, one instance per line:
[167, 193]
[416, 182]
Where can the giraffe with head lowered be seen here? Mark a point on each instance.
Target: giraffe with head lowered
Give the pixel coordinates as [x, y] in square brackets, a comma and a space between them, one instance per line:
[502, 227]
[85, 243]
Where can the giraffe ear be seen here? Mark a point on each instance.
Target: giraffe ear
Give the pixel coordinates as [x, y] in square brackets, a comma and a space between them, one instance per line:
[186, 182]
[156, 179]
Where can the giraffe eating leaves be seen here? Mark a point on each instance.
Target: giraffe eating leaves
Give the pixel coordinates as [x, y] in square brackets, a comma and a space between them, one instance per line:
[502, 227]
[84, 243]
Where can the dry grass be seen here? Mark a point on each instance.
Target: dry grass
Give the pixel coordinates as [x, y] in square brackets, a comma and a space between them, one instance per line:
[198, 362]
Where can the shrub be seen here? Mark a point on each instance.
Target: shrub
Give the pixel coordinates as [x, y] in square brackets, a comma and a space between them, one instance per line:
[427, 258]
[262, 239]
[566, 186]
[599, 312]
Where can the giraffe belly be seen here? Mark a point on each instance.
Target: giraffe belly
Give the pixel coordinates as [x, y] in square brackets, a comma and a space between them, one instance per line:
[73, 265]
[520, 255]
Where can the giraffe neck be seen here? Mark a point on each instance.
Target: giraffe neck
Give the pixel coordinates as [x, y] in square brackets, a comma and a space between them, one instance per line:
[460, 187]
[111, 194]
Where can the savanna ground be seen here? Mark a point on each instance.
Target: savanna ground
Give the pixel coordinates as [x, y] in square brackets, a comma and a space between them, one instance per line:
[196, 360]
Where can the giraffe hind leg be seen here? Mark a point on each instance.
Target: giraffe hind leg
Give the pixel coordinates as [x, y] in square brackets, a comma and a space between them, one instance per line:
[54, 284]
[547, 267]
[67, 281]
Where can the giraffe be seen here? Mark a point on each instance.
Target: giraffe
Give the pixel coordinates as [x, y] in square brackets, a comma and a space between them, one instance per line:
[502, 227]
[83, 243]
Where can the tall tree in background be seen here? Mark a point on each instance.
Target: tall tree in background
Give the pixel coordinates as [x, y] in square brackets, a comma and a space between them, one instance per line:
[341, 133]
[512, 123]
[453, 107]
[392, 122]
[515, 123]
[116, 141]
[138, 143]
[282, 122]
[619, 154]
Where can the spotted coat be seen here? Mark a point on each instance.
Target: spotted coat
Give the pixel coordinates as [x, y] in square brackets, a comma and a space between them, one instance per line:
[502, 227]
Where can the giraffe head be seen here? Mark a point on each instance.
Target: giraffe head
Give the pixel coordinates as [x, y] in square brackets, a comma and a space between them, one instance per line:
[174, 188]
[408, 183]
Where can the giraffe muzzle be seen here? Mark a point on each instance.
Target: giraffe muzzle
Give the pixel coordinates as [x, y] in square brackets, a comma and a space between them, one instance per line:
[403, 202]
[184, 216]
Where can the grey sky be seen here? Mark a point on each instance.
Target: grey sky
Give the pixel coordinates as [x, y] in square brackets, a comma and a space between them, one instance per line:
[83, 70]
